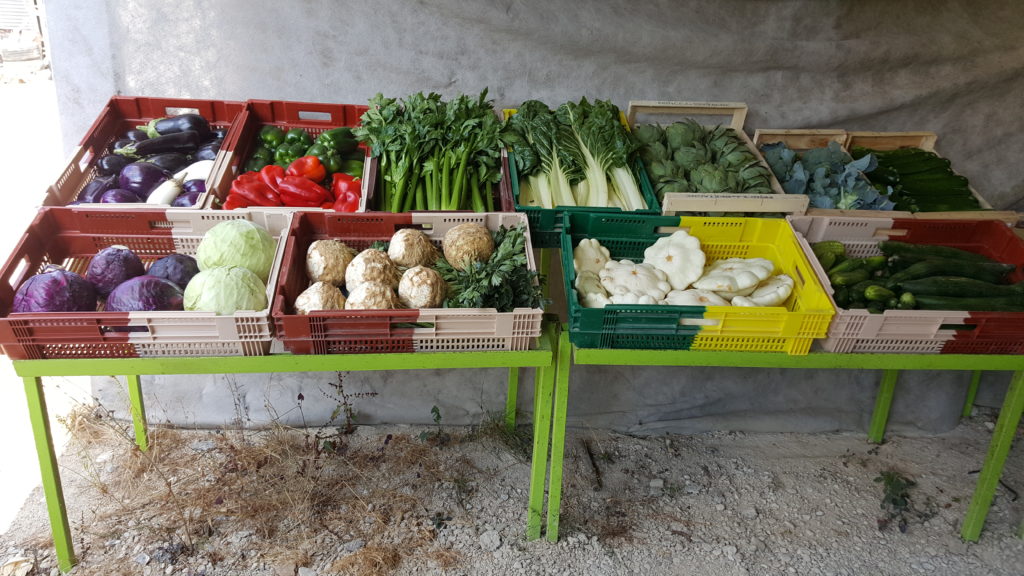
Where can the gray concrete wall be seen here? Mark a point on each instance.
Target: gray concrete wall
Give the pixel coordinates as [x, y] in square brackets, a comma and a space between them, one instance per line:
[954, 67]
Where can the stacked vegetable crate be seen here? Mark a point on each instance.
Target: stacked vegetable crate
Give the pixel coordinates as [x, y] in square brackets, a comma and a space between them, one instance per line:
[790, 328]
[71, 236]
[123, 113]
[688, 203]
[918, 331]
[313, 117]
[381, 331]
[546, 223]
[803, 140]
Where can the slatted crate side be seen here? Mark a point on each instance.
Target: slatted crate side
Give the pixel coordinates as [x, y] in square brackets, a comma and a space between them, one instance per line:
[120, 114]
[313, 117]
[355, 331]
[915, 331]
[71, 237]
[735, 113]
[799, 139]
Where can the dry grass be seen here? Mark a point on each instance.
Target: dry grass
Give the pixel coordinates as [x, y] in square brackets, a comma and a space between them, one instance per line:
[287, 486]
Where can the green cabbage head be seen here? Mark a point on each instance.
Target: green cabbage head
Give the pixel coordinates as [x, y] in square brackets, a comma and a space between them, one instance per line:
[225, 290]
[237, 243]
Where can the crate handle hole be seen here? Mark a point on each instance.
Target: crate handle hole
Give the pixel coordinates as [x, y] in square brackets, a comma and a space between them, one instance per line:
[175, 111]
[314, 116]
[889, 233]
[19, 271]
[698, 322]
[957, 327]
[86, 161]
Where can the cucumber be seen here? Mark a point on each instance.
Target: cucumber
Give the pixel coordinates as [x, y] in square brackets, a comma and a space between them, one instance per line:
[857, 290]
[848, 265]
[907, 301]
[892, 247]
[848, 278]
[992, 272]
[997, 304]
[959, 286]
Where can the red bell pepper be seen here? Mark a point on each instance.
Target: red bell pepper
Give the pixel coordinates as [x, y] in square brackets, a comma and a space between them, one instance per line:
[235, 201]
[347, 192]
[252, 189]
[301, 192]
[307, 167]
[271, 175]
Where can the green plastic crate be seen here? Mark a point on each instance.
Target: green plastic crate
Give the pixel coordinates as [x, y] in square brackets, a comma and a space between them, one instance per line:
[546, 223]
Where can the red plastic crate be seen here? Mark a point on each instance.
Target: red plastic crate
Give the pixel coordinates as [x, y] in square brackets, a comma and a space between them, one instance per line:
[72, 236]
[383, 331]
[919, 331]
[123, 113]
[313, 117]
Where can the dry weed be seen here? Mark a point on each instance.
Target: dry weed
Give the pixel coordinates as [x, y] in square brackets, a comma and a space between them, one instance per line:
[369, 561]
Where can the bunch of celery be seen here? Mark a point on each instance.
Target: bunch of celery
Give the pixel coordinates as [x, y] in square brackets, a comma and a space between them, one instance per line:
[577, 155]
[434, 155]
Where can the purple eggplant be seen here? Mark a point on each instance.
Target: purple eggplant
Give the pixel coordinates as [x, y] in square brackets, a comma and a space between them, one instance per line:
[141, 178]
[111, 164]
[194, 185]
[118, 196]
[136, 135]
[187, 199]
[183, 123]
[207, 151]
[170, 161]
[120, 144]
[183, 142]
[92, 191]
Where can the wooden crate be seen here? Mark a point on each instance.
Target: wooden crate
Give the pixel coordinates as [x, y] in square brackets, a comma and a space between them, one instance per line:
[926, 141]
[736, 113]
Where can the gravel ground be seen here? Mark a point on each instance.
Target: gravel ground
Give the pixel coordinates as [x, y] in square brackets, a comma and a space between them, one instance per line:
[413, 500]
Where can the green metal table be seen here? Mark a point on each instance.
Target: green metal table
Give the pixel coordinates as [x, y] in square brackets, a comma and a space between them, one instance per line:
[32, 372]
[889, 364]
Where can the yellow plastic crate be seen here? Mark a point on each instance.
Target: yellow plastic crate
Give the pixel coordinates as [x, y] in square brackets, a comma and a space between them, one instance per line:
[789, 328]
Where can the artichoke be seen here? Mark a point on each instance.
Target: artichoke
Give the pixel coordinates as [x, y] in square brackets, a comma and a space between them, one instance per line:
[653, 152]
[648, 134]
[710, 179]
[689, 158]
[720, 137]
[684, 133]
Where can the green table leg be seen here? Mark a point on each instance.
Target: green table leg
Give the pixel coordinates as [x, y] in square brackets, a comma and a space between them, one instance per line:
[511, 398]
[558, 435]
[998, 448]
[543, 389]
[883, 402]
[972, 392]
[50, 473]
[138, 408]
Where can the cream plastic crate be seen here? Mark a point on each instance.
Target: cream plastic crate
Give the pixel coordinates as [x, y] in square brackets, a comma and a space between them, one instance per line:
[736, 113]
[915, 331]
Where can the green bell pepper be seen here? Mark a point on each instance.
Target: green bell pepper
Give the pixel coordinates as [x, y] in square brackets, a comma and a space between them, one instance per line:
[288, 153]
[339, 140]
[353, 168]
[298, 136]
[272, 136]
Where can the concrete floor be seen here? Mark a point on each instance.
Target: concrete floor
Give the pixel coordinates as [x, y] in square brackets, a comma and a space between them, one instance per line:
[30, 158]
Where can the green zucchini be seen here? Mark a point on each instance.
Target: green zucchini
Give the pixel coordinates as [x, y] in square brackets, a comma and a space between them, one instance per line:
[878, 294]
[907, 301]
[992, 272]
[996, 304]
[848, 265]
[960, 287]
[892, 247]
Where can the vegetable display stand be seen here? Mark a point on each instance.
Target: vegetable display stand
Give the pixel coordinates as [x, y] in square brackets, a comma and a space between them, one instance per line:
[32, 372]
[314, 118]
[406, 330]
[789, 328]
[123, 113]
[888, 141]
[674, 203]
[918, 331]
[890, 364]
[546, 223]
[71, 236]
